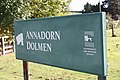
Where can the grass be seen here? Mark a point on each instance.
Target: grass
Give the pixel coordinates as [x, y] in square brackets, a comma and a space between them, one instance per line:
[11, 69]
[113, 55]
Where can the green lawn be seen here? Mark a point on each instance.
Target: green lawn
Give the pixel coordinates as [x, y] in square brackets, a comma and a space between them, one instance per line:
[113, 46]
[11, 69]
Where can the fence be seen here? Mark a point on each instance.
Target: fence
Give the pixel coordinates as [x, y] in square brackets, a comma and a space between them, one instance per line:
[6, 46]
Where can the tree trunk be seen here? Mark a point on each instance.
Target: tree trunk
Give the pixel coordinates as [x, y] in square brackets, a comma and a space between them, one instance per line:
[113, 34]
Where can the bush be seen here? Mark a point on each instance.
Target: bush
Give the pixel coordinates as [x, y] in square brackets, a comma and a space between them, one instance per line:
[118, 24]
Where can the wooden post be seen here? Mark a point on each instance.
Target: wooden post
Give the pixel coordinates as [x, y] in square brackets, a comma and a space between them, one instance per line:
[3, 45]
[113, 34]
[14, 46]
[102, 77]
[25, 70]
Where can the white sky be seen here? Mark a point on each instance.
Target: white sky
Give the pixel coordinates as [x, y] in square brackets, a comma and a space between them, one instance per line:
[78, 5]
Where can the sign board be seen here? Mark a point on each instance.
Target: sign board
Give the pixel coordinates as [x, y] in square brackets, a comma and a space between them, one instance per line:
[76, 42]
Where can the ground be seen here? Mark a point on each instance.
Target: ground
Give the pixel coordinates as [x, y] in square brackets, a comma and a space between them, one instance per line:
[11, 69]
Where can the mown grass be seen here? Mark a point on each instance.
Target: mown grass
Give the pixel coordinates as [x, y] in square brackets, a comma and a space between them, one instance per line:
[113, 46]
[11, 69]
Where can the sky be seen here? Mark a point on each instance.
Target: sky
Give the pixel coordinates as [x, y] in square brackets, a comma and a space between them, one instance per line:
[78, 5]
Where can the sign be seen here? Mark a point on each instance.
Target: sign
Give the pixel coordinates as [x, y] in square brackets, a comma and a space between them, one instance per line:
[76, 42]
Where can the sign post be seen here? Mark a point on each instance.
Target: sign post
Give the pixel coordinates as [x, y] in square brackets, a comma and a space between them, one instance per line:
[76, 42]
[26, 70]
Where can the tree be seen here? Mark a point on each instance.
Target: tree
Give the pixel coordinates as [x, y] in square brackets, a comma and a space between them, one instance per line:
[87, 8]
[8, 11]
[104, 6]
[24, 9]
[95, 8]
[44, 8]
[114, 8]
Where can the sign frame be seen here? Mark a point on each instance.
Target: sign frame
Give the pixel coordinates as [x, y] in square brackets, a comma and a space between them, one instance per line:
[102, 34]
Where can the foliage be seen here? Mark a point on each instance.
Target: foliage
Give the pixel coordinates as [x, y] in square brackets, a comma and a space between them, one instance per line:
[24, 9]
[114, 7]
[8, 11]
[95, 8]
[108, 21]
[43, 8]
[88, 7]
[118, 24]
[109, 6]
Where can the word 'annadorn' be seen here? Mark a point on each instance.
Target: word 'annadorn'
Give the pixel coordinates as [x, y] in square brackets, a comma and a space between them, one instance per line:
[48, 35]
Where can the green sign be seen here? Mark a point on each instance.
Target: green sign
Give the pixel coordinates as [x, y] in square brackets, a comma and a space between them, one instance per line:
[76, 42]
